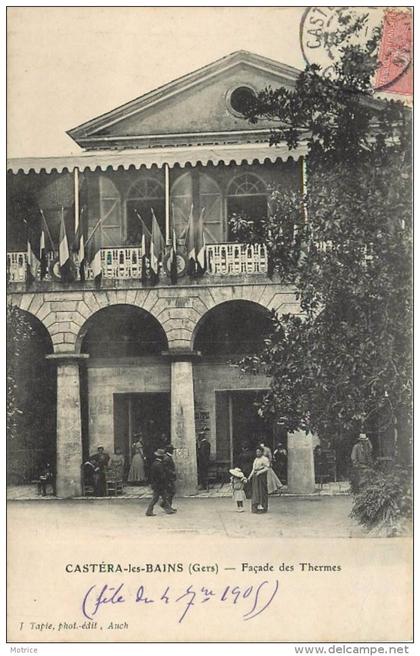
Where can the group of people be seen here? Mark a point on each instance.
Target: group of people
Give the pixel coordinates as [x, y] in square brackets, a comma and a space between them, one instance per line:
[262, 480]
[278, 459]
[101, 465]
[161, 474]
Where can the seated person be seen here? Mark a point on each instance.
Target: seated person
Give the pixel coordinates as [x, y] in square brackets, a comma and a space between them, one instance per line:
[46, 477]
[100, 461]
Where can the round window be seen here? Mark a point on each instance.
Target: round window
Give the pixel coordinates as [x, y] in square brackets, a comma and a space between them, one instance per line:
[240, 100]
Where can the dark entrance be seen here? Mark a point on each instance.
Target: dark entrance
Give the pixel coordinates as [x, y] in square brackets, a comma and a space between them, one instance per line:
[238, 424]
[148, 414]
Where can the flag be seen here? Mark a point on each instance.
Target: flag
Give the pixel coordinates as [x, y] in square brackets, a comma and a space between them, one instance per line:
[157, 247]
[81, 257]
[63, 251]
[172, 263]
[31, 262]
[201, 246]
[79, 245]
[190, 245]
[42, 245]
[42, 254]
[93, 253]
[146, 239]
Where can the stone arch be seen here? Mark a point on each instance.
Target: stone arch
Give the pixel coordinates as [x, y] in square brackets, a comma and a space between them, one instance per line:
[231, 326]
[267, 296]
[108, 317]
[34, 305]
[63, 313]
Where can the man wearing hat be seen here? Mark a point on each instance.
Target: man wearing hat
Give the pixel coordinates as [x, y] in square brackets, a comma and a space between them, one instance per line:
[159, 484]
[203, 458]
[361, 458]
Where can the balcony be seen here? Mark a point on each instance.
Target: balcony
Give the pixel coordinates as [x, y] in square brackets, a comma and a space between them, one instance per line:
[125, 263]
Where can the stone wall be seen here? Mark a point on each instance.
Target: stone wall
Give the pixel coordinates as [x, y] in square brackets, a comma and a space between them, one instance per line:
[65, 312]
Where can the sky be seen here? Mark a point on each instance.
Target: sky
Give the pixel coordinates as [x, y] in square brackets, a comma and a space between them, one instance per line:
[67, 65]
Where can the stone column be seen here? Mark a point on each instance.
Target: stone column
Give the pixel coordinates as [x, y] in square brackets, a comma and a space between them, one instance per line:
[183, 422]
[69, 423]
[300, 463]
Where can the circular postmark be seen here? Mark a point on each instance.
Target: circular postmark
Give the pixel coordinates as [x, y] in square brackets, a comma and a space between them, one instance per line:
[323, 28]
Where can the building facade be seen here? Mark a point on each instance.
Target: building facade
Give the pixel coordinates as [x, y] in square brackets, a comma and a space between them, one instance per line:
[158, 356]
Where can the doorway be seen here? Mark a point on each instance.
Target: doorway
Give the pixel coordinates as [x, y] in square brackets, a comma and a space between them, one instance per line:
[238, 424]
[146, 413]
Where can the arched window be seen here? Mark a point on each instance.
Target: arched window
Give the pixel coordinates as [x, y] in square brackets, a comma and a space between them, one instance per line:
[145, 194]
[202, 191]
[56, 199]
[109, 212]
[247, 197]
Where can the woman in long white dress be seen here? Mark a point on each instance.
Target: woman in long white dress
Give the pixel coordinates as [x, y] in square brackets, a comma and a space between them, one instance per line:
[136, 473]
[258, 476]
[274, 484]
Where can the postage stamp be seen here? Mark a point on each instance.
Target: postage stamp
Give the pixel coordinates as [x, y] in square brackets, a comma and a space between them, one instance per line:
[395, 73]
[320, 25]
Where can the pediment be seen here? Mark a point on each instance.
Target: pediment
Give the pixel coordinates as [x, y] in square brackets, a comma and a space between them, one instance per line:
[196, 108]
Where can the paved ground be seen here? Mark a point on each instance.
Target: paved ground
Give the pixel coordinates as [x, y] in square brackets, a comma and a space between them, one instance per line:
[27, 492]
[289, 517]
[215, 547]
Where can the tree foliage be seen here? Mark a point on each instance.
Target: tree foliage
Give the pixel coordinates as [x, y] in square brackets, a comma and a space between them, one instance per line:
[18, 332]
[345, 244]
[384, 501]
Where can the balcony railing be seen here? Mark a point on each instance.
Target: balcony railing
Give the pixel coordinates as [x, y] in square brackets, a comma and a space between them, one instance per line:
[236, 258]
[120, 263]
[125, 263]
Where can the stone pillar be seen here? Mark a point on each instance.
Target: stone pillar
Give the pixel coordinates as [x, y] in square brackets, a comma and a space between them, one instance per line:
[183, 423]
[300, 463]
[69, 423]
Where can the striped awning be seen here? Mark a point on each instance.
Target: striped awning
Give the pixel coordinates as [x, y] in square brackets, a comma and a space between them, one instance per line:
[158, 157]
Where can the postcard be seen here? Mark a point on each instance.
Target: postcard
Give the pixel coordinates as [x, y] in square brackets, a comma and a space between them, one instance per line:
[209, 314]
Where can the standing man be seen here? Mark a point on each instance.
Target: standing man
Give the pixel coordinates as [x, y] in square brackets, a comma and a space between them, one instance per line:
[203, 455]
[170, 475]
[361, 459]
[280, 462]
[159, 484]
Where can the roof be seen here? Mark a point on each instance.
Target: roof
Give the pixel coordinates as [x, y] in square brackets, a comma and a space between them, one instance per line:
[84, 134]
[158, 157]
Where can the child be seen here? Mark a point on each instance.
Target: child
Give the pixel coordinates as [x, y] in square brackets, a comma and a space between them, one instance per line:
[238, 481]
